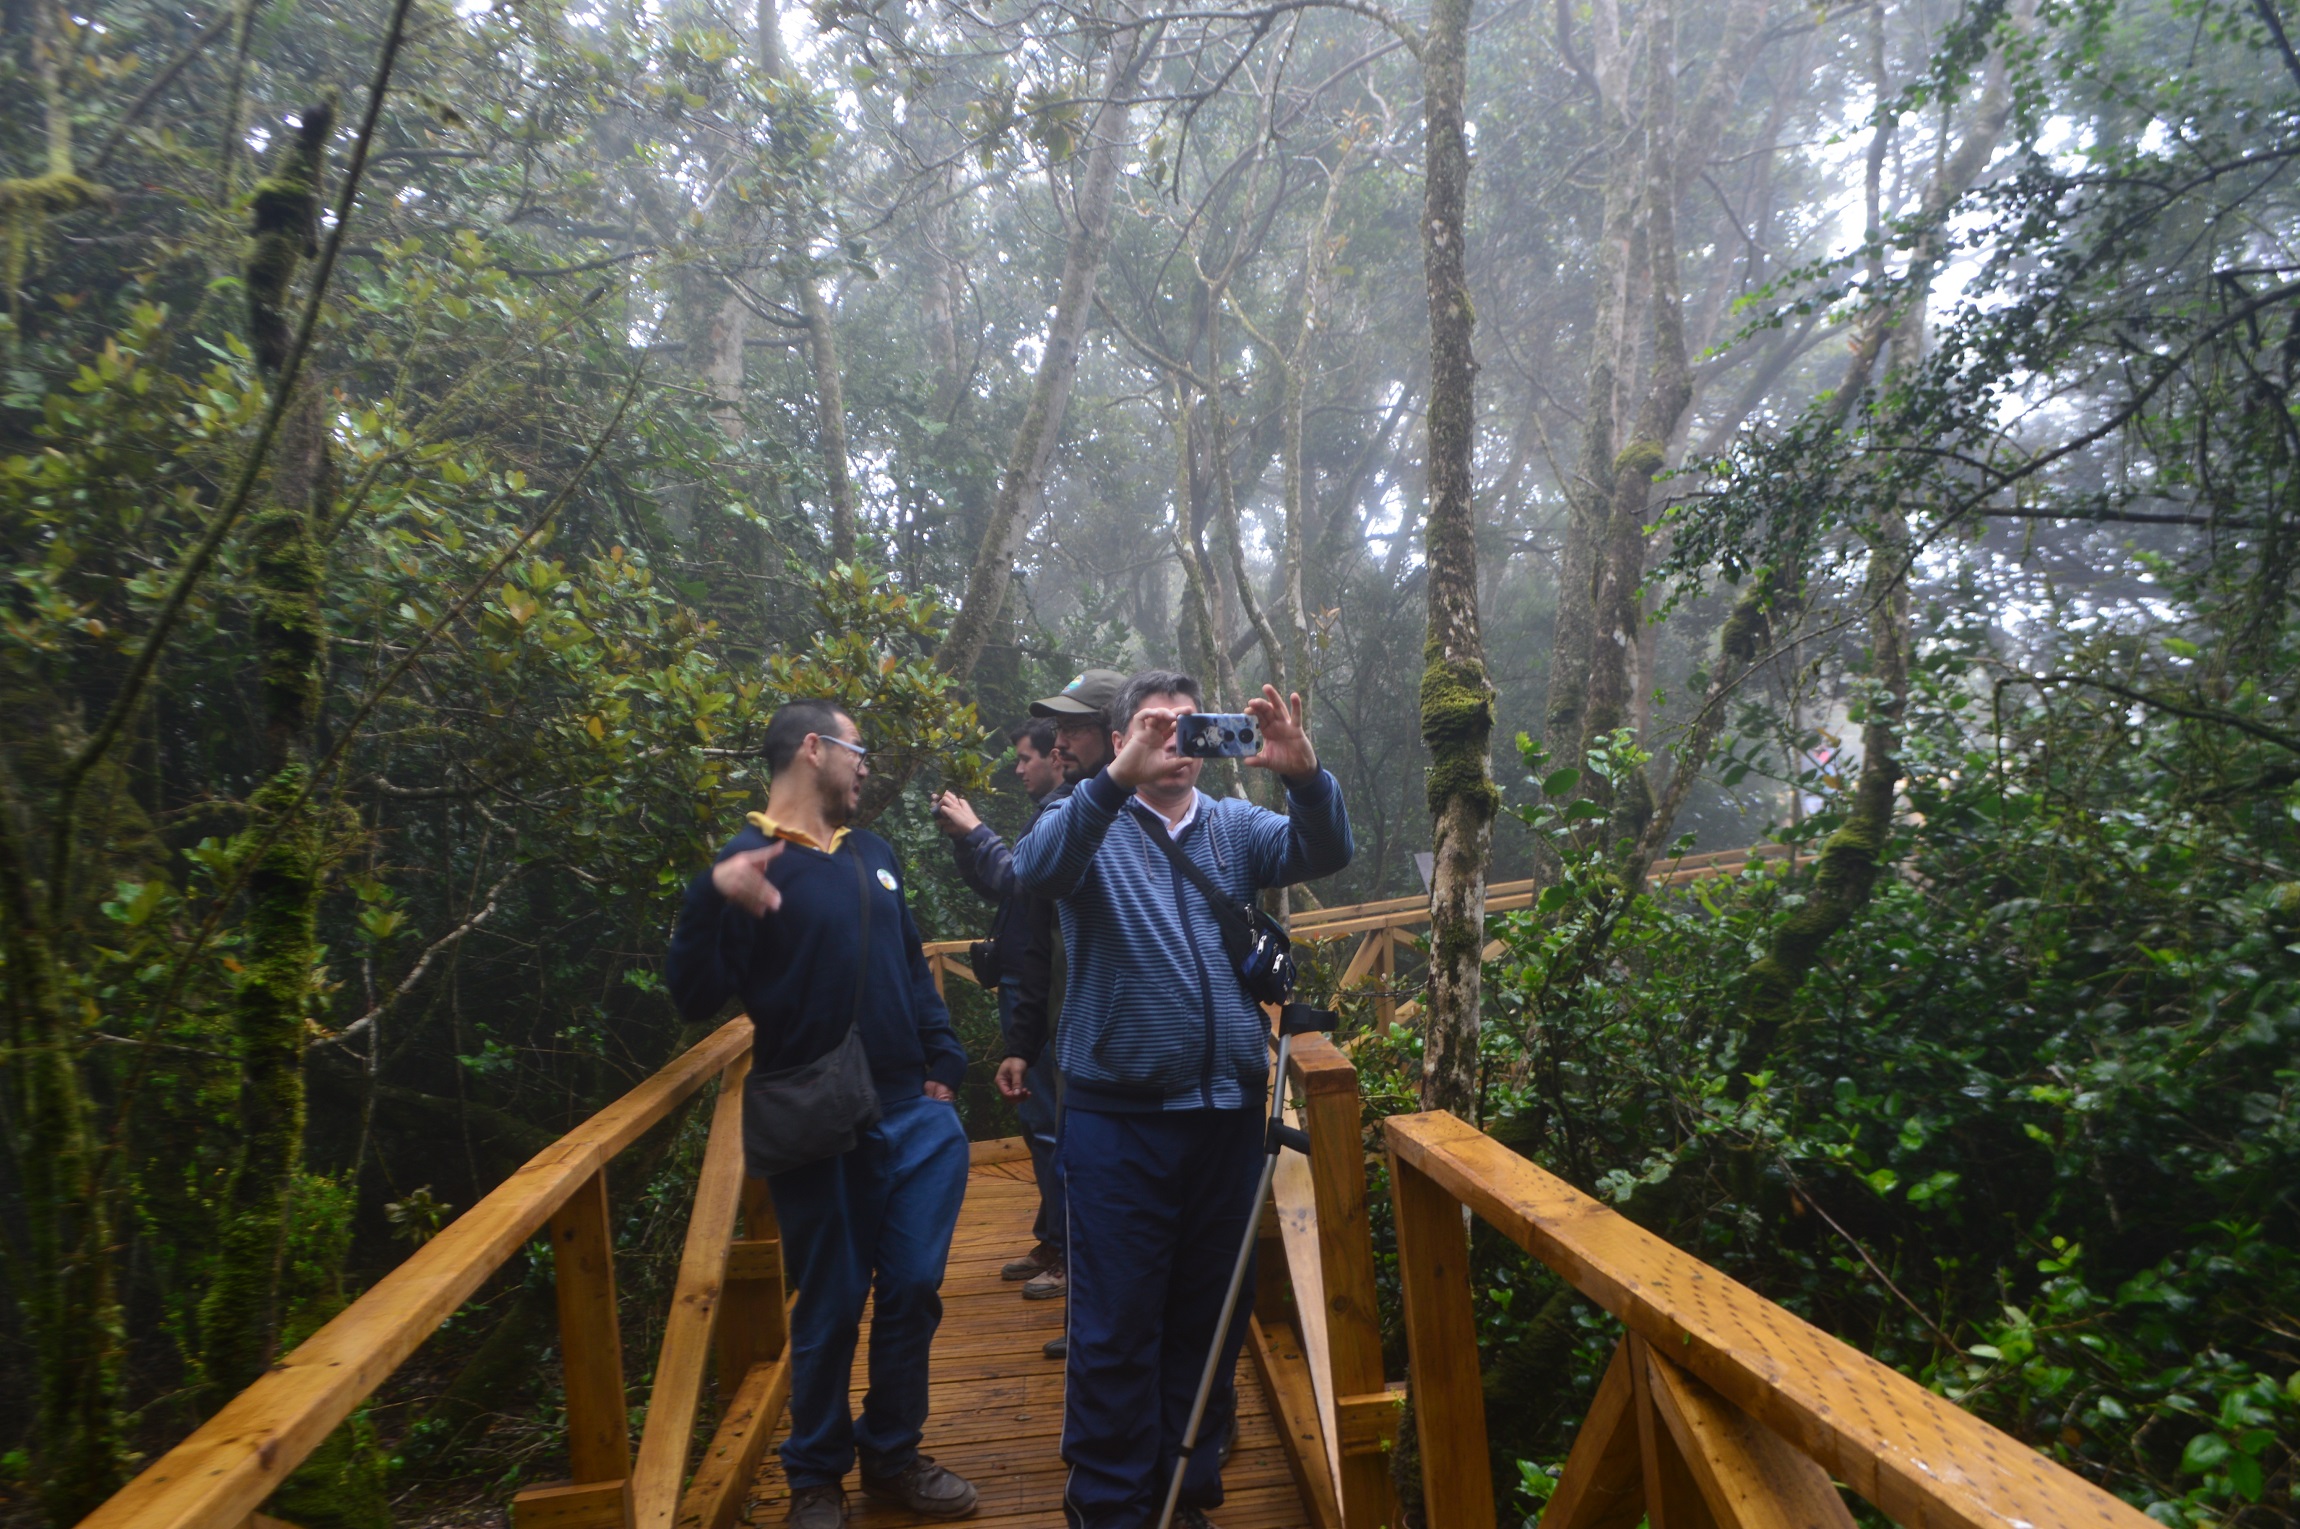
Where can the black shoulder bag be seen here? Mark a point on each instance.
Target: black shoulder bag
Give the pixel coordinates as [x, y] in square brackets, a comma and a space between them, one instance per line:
[804, 1114]
[1260, 950]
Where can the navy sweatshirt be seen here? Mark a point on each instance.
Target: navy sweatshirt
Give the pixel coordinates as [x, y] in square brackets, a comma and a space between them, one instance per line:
[793, 971]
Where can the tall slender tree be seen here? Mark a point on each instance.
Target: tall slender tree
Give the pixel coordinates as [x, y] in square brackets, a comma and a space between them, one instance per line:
[1456, 694]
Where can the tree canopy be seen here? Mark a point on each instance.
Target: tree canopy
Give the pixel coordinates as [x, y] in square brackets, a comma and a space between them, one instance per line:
[434, 437]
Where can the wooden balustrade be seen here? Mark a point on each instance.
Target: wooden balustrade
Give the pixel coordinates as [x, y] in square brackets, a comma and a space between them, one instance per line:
[1719, 1408]
[220, 1476]
[1330, 1255]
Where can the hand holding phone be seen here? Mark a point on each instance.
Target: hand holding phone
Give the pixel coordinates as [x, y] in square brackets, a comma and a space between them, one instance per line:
[1217, 735]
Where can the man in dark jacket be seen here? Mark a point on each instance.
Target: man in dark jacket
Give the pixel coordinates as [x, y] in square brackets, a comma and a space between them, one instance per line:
[803, 922]
[1166, 1069]
[986, 865]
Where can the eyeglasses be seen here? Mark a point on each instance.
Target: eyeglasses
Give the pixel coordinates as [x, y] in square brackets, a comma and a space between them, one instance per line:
[855, 749]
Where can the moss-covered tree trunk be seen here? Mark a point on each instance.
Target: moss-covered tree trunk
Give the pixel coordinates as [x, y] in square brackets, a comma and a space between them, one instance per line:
[1456, 694]
[240, 1317]
[1621, 561]
[70, 1304]
[1847, 870]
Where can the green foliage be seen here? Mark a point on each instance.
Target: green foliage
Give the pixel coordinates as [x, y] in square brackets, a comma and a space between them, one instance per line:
[2028, 1137]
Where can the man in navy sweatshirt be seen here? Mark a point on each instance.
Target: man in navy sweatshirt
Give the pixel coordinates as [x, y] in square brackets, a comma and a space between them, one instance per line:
[781, 924]
[1166, 1063]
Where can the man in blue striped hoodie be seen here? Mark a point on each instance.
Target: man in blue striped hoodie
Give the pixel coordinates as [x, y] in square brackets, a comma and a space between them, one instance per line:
[1166, 1063]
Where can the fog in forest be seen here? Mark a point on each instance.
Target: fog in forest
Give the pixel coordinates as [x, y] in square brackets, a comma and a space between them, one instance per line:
[434, 438]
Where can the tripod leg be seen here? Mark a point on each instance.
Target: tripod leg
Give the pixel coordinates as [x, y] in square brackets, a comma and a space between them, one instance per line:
[1230, 1299]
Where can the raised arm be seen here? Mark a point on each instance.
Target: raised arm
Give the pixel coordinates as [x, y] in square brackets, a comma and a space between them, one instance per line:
[985, 864]
[1052, 858]
[1313, 838]
[717, 922]
[1310, 840]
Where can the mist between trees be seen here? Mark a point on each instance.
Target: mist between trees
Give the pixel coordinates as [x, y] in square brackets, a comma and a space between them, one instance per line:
[434, 438]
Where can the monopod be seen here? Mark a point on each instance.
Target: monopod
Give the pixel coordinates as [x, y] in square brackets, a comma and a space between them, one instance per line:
[1294, 1019]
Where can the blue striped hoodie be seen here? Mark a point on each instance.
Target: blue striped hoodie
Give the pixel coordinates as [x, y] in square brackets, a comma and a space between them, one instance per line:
[1153, 1016]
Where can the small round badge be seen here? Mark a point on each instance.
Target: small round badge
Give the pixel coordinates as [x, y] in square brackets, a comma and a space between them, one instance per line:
[886, 878]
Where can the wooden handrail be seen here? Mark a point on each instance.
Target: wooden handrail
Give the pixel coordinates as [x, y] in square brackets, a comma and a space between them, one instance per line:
[223, 1472]
[1719, 1401]
[1314, 924]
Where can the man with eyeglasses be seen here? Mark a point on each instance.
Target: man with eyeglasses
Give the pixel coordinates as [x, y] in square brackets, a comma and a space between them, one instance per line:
[803, 922]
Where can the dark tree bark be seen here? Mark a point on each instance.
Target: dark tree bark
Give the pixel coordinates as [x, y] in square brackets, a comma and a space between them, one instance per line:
[1456, 693]
[240, 1317]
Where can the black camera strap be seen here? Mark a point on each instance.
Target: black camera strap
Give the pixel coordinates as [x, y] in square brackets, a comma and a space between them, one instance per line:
[1237, 932]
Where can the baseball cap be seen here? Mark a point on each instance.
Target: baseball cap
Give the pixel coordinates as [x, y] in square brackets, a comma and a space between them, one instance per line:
[1089, 695]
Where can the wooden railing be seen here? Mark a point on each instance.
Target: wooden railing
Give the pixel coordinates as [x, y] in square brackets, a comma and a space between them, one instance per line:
[728, 1297]
[1315, 1295]
[1388, 927]
[1719, 1408]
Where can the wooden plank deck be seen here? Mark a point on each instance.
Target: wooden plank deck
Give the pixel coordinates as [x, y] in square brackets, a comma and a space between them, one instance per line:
[997, 1401]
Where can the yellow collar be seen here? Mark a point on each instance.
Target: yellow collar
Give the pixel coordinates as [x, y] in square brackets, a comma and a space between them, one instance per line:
[774, 830]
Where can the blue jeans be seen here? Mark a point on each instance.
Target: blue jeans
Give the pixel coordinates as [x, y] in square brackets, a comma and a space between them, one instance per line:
[1158, 1205]
[1037, 1114]
[875, 1221]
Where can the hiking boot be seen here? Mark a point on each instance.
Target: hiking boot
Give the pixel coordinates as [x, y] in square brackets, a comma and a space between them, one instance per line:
[924, 1487]
[1228, 1446]
[818, 1508]
[1031, 1264]
[1057, 1348]
[1052, 1283]
[1187, 1517]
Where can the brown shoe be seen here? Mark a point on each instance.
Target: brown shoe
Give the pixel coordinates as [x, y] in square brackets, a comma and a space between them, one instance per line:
[818, 1508]
[924, 1487]
[1031, 1264]
[1051, 1284]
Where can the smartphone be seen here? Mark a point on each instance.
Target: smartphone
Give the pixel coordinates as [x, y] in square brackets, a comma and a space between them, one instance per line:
[1217, 735]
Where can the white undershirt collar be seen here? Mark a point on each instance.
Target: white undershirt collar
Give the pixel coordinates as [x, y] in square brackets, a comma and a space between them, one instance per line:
[1174, 830]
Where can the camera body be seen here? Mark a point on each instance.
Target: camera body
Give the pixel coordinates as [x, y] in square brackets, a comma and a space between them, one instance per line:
[1217, 735]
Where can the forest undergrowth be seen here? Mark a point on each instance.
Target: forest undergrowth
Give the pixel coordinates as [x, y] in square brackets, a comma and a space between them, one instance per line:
[2028, 1140]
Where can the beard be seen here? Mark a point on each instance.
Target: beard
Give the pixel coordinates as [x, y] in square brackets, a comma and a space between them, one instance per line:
[839, 802]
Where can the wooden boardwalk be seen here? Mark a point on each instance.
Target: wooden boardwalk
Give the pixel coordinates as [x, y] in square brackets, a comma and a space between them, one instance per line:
[997, 1409]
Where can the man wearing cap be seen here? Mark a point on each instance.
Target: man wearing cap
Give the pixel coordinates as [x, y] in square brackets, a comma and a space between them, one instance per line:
[1165, 1068]
[1080, 714]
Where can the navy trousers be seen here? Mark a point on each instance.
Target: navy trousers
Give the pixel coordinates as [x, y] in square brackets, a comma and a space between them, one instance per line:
[1158, 1204]
[873, 1223]
[1037, 1114]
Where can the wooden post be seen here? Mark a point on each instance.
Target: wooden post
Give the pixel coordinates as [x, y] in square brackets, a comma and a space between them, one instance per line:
[1441, 1342]
[591, 1359]
[751, 1323]
[1330, 1115]
[661, 1469]
[1672, 1497]
[591, 1336]
[1385, 1000]
[934, 965]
